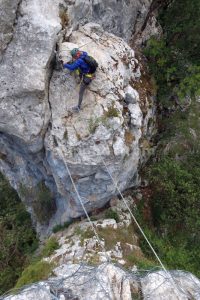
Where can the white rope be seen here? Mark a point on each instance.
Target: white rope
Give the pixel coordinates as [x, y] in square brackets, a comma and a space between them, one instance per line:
[86, 213]
[142, 232]
[179, 289]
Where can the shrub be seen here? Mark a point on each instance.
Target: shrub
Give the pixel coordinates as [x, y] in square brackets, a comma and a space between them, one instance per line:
[42, 201]
[44, 204]
[174, 59]
[176, 193]
[17, 237]
[174, 205]
[111, 214]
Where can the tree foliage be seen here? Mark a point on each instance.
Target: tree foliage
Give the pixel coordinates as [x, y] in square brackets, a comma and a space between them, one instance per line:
[174, 174]
[174, 59]
[17, 237]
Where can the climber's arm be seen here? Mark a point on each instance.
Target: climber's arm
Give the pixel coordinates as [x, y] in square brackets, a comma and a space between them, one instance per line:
[75, 65]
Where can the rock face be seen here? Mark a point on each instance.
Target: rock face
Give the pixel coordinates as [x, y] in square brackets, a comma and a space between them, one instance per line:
[123, 18]
[24, 106]
[8, 17]
[107, 128]
[79, 244]
[108, 281]
[39, 138]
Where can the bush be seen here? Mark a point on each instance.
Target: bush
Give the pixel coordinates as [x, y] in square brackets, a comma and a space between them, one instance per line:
[111, 214]
[176, 193]
[174, 177]
[17, 237]
[174, 59]
[44, 204]
[174, 227]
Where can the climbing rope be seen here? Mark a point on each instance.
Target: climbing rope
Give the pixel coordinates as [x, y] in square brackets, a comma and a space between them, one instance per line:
[86, 213]
[169, 276]
[142, 232]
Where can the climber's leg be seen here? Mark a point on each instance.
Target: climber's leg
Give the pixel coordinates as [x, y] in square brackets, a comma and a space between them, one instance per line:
[86, 81]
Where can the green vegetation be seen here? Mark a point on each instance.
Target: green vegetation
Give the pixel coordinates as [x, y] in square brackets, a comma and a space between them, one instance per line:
[111, 214]
[44, 205]
[140, 261]
[61, 227]
[42, 201]
[39, 269]
[50, 246]
[17, 237]
[35, 272]
[95, 122]
[174, 174]
[112, 112]
[174, 60]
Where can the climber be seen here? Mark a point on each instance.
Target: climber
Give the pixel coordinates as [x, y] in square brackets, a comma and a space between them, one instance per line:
[84, 67]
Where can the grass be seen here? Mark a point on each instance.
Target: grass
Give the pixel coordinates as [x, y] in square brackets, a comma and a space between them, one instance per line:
[50, 246]
[112, 112]
[93, 124]
[35, 272]
[39, 269]
[124, 235]
[96, 121]
[141, 262]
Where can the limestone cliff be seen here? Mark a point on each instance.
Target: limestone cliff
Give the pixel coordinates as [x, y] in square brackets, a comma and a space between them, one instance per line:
[38, 135]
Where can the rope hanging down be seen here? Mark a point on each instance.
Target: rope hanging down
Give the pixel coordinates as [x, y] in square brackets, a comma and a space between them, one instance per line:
[86, 213]
[133, 217]
[142, 232]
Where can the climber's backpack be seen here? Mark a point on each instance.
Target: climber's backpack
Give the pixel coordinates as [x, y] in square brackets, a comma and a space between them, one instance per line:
[92, 63]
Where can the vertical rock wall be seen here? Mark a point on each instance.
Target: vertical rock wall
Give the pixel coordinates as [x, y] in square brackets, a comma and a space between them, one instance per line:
[37, 136]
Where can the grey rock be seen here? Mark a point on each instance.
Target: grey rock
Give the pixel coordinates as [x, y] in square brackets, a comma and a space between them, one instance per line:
[8, 19]
[176, 285]
[39, 138]
[122, 18]
[129, 99]
[107, 281]
[139, 196]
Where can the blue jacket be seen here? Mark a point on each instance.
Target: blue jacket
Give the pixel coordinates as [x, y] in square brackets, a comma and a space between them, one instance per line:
[79, 64]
